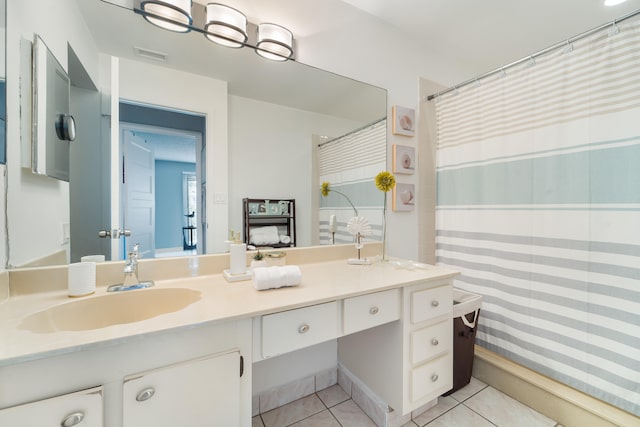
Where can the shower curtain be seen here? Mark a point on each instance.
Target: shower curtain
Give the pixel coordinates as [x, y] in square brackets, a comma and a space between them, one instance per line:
[538, 207]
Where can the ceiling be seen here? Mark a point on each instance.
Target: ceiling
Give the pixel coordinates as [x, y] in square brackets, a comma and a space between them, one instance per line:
[480, 36]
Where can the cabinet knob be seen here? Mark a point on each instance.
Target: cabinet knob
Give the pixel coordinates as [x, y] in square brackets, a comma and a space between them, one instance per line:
[72, 419]
[434, 378]
[435, 303]
[374, 310]
[302, 329]
[145, 394]
[434, 342]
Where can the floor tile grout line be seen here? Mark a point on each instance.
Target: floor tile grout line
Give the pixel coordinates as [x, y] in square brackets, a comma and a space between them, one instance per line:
[479, 414]
[455, 406]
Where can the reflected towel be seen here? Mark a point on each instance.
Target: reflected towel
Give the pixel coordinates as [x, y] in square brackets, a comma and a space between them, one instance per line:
[264, 235]
[276, 277]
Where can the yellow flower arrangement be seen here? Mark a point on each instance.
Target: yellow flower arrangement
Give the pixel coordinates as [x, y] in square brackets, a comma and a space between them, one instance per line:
[385, 181]
[325, 189]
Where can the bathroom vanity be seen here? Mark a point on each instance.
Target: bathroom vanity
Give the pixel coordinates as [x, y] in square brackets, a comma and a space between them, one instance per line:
[168, 366]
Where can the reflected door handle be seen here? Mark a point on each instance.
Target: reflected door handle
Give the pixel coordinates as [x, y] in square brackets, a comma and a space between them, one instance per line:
[114, 234]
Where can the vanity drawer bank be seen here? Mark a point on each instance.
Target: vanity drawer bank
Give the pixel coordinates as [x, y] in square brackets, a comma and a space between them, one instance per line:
[207, 347]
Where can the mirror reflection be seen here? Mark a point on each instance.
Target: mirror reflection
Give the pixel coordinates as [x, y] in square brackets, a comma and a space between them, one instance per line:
[3, 85]
[263, 122]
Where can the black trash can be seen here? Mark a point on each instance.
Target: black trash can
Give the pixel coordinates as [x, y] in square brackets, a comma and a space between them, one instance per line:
[466, 309]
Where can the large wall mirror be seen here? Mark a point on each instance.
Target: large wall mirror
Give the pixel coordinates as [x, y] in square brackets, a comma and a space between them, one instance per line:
[263, 123]
[3, 85]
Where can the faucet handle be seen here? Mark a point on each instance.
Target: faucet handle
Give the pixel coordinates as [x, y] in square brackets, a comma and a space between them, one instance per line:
[135, 250]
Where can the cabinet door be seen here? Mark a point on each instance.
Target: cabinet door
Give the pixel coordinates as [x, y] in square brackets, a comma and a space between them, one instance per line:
[202, 392]
[82, 409]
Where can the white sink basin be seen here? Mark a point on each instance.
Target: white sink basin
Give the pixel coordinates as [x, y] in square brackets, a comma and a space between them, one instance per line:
[111, 309]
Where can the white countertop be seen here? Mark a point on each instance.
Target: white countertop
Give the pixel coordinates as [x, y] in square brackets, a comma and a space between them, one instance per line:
[220, 301]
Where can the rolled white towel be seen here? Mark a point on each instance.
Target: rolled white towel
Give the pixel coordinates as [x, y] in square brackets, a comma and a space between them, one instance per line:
[285, 239]
[276, 277]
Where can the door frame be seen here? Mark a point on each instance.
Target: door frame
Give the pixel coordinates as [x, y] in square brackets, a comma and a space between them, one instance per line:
[135, 127]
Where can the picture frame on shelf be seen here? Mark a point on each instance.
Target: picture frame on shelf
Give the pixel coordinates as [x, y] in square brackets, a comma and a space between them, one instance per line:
[253, 209]
[403, 197]
[404, 121]
[404, 159]
[284, 207]
[274, 208]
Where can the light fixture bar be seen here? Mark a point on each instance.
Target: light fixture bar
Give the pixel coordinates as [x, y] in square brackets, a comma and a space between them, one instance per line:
[220, 24]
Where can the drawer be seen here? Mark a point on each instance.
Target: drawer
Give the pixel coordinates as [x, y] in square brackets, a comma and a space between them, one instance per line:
[432, 379]
[431, 303]
[303, 327]
[429, 342]
[370, 310]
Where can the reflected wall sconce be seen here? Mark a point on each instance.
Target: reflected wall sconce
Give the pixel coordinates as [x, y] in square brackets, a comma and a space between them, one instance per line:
[220, 24]
[225, 25]
[274, 42]
[172, 15]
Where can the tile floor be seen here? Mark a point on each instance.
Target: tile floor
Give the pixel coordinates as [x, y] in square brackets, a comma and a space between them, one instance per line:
[476, 405]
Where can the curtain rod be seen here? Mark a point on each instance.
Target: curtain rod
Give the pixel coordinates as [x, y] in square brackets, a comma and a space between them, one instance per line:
[532, 56]
[375, 122]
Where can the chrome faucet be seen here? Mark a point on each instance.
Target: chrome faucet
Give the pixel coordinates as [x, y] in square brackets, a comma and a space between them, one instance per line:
[131, 267]
[131, 273]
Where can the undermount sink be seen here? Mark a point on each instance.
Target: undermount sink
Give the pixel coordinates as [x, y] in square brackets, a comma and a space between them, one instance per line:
[111, 309]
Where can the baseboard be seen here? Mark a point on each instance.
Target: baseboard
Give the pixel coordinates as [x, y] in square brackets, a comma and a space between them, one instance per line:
[568, 406]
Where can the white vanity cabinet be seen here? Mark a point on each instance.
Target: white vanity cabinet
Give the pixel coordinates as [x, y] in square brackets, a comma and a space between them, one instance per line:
[409, 362]
[82, 409]
[185, 377]
[203, 392]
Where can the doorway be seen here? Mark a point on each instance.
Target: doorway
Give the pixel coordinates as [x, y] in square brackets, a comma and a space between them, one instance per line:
[154, 162]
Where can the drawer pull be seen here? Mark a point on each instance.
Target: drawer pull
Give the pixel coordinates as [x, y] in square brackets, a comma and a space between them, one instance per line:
[435, 303]
[374, 310]
[304, 328]
[72, 419]
[434, 378]
[434, 342]
[145, 394]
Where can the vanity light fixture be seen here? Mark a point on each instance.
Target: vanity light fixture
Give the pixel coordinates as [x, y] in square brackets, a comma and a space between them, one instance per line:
[225, 25]
[274, 42]
[220, 24]
[172, 15]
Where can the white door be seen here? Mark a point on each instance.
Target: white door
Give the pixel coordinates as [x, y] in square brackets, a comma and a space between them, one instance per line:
[200, 393]
[138, 180]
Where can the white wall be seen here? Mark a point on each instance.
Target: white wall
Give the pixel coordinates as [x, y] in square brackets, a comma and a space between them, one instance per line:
[269, 155]
[38, 206]
[141, 82]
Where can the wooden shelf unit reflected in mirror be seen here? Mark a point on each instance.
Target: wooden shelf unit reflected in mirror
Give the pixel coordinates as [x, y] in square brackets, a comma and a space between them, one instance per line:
[263, 213]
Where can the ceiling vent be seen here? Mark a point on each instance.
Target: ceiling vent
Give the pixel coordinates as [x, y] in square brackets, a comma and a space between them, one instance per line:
[150, 54]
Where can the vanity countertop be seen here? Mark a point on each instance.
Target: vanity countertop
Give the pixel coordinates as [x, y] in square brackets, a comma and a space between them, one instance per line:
[219, 301]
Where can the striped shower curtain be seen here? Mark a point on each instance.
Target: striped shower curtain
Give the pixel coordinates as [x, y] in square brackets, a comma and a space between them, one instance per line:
[349, 164]
[538, 207]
